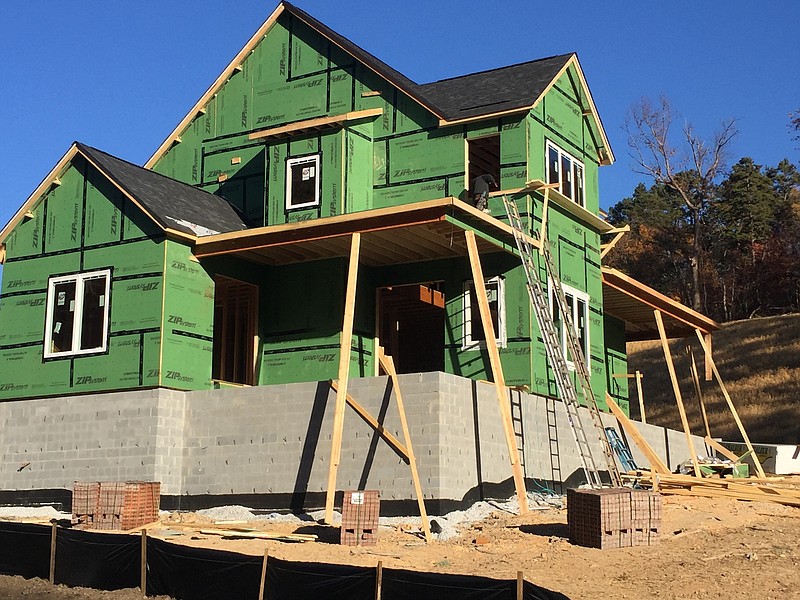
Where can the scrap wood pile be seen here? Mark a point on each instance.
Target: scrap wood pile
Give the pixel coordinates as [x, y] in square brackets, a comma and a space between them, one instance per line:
[749, 489]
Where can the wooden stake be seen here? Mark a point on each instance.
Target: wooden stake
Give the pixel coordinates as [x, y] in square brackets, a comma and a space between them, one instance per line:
[699, 392]
[676, 388]
[520, 585]
[378, 580]
[143, 565]
[656, 464]
[388, 365]
[497, 370]
[263, 575]
[53, 553]
[710, 361]
[344, 373]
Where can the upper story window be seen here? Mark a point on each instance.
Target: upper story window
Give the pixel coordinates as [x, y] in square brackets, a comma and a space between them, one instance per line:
[473, 327]
[567, 171]
[302, 182]
[578, 306]
[76, 321]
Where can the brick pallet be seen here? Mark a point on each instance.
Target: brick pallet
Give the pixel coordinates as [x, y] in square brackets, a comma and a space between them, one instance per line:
[360, 512]
[115, 505]
[613, 517]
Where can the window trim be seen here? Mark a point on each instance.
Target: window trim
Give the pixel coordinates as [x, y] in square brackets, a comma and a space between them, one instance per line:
[576, 295]
[77, 322]
[299, 160]
[501, 338]
[573, 161]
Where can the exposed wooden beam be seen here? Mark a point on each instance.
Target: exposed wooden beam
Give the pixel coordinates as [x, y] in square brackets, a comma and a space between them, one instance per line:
[315, 123]
[677, 390]
[619, 232]
[656, 464]
[388, 365]
[344, 373]
[497, 370]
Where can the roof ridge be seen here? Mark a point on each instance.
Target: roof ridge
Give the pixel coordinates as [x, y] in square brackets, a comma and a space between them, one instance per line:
[519, 64]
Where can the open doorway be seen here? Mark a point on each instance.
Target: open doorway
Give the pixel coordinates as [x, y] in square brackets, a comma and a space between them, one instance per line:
[411, 326]
[235, 318]
[483, 158]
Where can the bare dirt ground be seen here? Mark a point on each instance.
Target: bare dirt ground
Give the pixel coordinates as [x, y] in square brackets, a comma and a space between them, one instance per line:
[710, 548]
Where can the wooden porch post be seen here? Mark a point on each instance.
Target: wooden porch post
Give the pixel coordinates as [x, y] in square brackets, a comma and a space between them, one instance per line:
[497, 370]
[344, 373]
[676, 388]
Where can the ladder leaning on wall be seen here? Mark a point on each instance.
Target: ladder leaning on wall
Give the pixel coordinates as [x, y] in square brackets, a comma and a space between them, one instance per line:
[557, 358]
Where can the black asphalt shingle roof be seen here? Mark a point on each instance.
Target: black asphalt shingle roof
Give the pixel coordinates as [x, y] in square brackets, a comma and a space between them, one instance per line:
[175, 205]
[496, 90]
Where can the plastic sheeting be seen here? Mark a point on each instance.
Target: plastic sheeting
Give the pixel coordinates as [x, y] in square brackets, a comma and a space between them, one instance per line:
[107, 561]
[288, 580]
[25, 550]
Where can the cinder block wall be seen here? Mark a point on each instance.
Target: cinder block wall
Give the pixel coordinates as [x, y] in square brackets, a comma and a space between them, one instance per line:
[274, 441]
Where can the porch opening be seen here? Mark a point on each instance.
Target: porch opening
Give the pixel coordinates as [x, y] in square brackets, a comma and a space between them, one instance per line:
[235, 318]
[411, 321]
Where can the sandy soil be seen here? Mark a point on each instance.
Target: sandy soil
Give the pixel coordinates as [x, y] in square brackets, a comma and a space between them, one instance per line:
[710, 548]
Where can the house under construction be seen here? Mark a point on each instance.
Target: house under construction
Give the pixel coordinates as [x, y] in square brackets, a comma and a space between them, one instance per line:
[205, 319]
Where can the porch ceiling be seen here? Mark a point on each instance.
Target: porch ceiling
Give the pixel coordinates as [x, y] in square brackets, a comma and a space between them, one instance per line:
[633, 302]
[416, 232]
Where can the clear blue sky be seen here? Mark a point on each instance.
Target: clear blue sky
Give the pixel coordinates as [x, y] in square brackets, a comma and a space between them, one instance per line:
[120, 75]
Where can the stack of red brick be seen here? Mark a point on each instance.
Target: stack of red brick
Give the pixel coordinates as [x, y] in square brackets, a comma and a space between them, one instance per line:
[613, 517]
[115, 505]
[360, 513]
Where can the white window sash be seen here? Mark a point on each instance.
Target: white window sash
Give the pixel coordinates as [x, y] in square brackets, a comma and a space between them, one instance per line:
[311, 160]
[468, 343]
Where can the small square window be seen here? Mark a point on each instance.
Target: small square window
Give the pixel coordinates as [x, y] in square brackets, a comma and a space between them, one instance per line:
[474, 337]
[77, 314]
[302, 182]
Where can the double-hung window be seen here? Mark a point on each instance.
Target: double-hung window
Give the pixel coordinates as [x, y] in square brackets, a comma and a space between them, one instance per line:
[76, 321]
[566, 171]
[474, 337]
[578, 307]
[302, 182]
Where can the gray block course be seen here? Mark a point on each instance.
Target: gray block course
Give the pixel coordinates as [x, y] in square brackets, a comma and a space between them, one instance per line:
[277, 440]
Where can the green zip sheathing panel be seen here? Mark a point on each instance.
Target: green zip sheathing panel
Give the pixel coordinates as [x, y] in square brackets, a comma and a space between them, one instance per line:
[83, 225]
[617, 363]
[302, 322]
[188, 321]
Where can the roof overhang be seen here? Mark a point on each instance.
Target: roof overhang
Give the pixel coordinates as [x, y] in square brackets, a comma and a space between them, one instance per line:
[422, 231]
[634, 303]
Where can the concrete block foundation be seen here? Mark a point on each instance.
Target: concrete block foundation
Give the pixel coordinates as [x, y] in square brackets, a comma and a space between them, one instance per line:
[269, 446]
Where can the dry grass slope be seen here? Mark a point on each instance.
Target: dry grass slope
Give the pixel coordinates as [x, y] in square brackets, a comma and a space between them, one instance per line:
[759, 360]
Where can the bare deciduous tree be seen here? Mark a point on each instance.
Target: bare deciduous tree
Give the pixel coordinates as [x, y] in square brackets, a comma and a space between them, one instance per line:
[689, 166]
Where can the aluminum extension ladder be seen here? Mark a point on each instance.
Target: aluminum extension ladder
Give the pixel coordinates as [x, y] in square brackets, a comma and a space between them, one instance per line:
[556, 357]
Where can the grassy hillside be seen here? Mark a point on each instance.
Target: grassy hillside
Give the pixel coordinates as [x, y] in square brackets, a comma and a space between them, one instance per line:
[759, 360]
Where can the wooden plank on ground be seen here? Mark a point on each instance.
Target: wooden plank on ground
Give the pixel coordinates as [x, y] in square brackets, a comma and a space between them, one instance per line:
[656, 464]
[710, 361]
[677, 390]
[344, 373]
[497, 370]
[388, 365]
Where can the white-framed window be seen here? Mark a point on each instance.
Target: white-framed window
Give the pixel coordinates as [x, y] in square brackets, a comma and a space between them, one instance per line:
[567, 171]
[578, 306]
[302, 182]
[474, 337]
[76, 321]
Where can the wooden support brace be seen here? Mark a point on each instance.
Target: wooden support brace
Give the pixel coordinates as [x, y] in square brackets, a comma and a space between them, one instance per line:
[344, 373]
[745, 437]
[708, 358]
[543, 230]
[721, 449]
[641, 395]
[497, 370]
[362, 412]
[656, 464]
[699, 392]
[677, 390]
[619, 231]
[388, 365]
